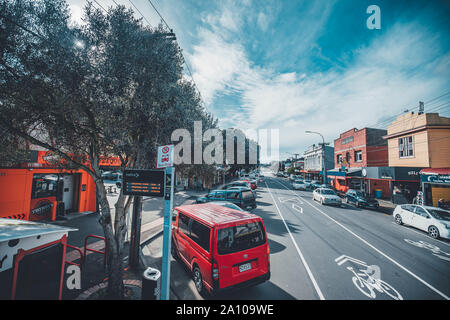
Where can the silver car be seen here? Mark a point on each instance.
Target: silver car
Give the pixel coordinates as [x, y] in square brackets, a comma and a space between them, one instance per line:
[326, 196]
[435, 221]
[299, 185]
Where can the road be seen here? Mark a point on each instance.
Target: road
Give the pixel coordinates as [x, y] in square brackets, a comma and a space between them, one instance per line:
[343, 253]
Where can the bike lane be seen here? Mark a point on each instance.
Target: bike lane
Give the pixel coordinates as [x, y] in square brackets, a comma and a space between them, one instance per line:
[336, 254]
[426, 258]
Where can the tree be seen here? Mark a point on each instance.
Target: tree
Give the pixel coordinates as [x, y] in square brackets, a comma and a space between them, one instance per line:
[108, 87]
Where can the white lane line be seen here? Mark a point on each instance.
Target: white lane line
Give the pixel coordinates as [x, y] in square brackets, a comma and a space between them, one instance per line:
[308, 270]
[377, 250]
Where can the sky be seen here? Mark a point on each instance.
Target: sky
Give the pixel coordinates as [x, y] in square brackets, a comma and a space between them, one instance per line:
[297, 65]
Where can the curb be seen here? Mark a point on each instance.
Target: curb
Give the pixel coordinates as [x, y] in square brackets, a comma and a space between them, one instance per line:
[86, 294]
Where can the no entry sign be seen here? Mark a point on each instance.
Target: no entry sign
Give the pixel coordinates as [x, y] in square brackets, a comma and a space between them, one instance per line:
[165, 156]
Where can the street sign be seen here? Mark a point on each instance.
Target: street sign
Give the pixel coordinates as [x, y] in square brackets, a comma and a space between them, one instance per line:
[143, 182]
[165, 156]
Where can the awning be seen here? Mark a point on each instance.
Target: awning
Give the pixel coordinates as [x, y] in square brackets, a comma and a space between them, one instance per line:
[436, 171]
[349, 172]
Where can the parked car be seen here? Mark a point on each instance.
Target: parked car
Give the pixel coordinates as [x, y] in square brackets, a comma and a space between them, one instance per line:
[435, 221]
[245, 188]
[224, 248]
[280, 174]
[228, 205]
[252, 183]
[326, 196]
[307, 183]
[299, 185]
[315, 184]
[237, 184]
[243, 198]
[359, 199]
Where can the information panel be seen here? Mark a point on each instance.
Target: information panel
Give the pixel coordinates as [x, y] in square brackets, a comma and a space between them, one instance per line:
[148, 183]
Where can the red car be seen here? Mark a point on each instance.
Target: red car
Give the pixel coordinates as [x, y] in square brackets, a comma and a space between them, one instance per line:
[224, 248]
[251, 184]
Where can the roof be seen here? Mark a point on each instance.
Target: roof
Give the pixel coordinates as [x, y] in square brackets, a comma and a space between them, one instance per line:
[214, 214]
[18, 229]
[437, 171]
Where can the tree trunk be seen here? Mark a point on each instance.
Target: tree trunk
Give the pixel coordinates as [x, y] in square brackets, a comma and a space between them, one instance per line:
[114, 256]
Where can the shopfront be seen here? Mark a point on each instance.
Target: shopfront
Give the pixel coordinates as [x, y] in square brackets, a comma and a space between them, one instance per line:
[435, 186]
[37, 191]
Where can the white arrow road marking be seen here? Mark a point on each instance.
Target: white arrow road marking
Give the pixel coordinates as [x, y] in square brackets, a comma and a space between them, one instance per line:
[297, 208]
[343, 259]
[284, 199]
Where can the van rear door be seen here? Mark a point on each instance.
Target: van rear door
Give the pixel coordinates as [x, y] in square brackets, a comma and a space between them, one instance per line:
[241, 253]
[248, 199]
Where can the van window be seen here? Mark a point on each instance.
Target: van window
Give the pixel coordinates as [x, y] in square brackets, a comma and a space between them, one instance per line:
[247, 195]
[219, 195]
[233, 195]
[239, 238]
[200, 234]
[183, 223]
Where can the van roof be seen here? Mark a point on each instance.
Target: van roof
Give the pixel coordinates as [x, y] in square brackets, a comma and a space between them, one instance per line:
[214, 214]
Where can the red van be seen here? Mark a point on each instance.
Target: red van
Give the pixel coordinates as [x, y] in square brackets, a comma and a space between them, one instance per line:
[224, 248]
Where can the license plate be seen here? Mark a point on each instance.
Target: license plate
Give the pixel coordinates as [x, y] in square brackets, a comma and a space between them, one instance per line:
[245, 267]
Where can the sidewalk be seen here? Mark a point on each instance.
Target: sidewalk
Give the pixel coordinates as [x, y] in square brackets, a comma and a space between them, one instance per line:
[93, 272]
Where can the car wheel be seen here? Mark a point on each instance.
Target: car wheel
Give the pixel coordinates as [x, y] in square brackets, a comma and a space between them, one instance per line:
[198, 280]
[433, 232]
[398, 219]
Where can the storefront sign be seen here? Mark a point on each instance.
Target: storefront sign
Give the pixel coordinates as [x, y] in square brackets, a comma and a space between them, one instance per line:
[42, 210]
[435, 178]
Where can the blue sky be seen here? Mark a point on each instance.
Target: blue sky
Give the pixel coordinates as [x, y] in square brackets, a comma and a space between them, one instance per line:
[309, 65]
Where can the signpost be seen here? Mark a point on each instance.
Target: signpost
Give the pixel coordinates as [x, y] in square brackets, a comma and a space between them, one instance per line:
[152, 183]
[165, 160]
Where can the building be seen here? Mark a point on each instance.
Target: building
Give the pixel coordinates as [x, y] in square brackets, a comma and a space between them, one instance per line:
[361, 148]
[313, 161]
[421, 141]
[354, 151]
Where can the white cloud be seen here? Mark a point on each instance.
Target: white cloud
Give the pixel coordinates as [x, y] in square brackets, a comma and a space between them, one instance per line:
[390, 74]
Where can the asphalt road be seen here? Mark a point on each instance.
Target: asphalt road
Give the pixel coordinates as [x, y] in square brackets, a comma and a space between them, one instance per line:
[343, 253]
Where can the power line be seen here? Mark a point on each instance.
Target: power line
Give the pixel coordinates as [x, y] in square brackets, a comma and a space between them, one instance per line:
[140, 13]
[184, 59]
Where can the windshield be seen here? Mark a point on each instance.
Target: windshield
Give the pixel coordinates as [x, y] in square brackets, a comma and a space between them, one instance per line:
[359, 194]
[440, 214]
[328, 191]
[239, 238]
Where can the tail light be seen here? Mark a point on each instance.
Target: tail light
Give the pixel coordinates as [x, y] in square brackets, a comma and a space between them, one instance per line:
[215, 270]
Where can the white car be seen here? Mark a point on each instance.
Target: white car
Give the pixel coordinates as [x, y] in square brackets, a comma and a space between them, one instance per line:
[299, 185]
[326, 196]
[435, 221]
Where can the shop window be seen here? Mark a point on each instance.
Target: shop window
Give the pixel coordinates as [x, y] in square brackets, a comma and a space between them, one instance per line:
[405, 147]
[347, 157]
[44, 185]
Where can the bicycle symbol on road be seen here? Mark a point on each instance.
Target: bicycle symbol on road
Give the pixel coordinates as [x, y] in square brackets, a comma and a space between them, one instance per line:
[434, 249]
[369, 279]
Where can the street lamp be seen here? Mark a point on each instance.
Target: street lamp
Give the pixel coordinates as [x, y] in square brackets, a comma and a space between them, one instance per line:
[323, 155]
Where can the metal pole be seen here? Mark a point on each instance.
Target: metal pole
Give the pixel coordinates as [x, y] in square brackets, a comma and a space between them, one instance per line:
[135, 233]
[167, 232]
